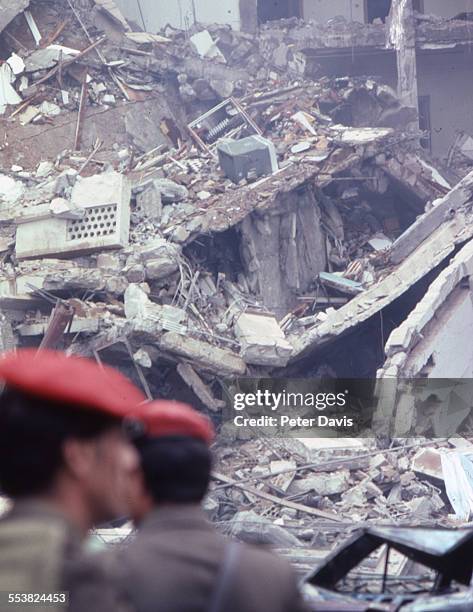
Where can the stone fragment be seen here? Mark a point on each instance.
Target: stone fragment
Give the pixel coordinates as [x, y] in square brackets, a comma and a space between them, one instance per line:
[142, 358]
[322, 483]
[262, 340]
[149, 202]
[255, 529]
[170, 191]
[44, 169]
[160, 257]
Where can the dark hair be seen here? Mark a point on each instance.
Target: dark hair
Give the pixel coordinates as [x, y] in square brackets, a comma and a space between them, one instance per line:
[32, 434]
[176, 468]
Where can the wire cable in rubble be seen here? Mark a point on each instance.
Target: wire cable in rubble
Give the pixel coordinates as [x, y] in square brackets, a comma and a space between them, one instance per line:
[141, 15]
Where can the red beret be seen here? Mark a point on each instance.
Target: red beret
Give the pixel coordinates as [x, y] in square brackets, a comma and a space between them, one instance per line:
[74, 380]
[167, 418]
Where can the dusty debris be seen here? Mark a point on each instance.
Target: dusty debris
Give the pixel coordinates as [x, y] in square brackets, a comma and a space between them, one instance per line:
[129, 195]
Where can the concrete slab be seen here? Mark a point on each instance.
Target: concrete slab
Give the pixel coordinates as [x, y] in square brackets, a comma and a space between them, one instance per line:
[262, 340]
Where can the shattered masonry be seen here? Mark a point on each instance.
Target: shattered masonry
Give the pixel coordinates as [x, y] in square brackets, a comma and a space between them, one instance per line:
[346, 249]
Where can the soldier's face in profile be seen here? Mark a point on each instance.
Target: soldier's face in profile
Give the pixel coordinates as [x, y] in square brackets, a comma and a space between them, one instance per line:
[105, 467]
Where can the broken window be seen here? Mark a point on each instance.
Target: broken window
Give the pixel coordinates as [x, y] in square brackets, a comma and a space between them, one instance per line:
[270, 10]
[424, 122]
[377, 9]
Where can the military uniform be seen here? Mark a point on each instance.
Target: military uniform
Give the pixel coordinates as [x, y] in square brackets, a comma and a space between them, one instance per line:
[41, 552]
[40, 547]
[173, 565]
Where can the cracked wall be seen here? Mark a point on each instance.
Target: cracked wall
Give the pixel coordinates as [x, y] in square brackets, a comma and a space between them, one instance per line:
[283, 250]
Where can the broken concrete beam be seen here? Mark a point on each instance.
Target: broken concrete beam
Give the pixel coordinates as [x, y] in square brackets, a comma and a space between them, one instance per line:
[402, 339]
[9, 9]
[203, 355]
[424, 259]
[78, 326]
[262, 340]
[63, 276]
[203, 391]
[105, 223]
[423, 227]
[344, 285]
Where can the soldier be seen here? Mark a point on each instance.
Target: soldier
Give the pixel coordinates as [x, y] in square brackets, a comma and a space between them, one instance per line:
[65, 464]
[178, 562]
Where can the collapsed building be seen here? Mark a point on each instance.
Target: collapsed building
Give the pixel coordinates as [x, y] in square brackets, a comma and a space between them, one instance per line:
[342, 249]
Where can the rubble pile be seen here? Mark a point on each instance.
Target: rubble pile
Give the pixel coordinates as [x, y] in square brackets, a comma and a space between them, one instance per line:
[305, 496]
[135, 244]
[138, 229]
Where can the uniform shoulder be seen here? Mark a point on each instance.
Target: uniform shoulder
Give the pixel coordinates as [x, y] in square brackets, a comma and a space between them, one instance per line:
[260, 556]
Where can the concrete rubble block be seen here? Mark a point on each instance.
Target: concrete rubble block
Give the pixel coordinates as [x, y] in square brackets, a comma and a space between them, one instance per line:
[149, 202]
[180, 234]
[424, 507]
[9, 9]
[428, 462]
[161, 258]
[146, 316]
[105, 200]
[77, 278]
[136, 302]
[170, 191]
[142, 358]
[205, 46]
[135, 273]
[322, 483]
[262, 340]
[255, 529]
[203, 391]
[204, 356]
[361, 493]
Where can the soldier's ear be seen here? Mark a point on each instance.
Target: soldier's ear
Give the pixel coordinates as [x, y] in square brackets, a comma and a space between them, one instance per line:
[79, 458]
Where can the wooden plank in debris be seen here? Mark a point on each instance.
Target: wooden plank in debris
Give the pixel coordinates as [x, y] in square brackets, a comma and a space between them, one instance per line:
[277, 500]
[203, 392]
[344, 285]
[61, 318]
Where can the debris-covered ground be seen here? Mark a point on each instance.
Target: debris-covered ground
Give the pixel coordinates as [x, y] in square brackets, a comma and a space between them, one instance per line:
[125, 236]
